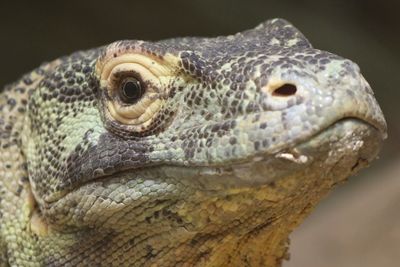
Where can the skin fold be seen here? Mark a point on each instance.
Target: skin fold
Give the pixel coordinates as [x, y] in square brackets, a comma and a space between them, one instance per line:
[183, 152]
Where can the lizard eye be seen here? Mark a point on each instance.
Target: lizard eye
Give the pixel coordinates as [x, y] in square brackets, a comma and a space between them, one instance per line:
[133, 92]
[130, 90]
[134, 88]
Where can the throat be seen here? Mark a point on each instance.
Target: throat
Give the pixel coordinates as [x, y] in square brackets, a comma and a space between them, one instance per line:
[237, 245]
[174, 236]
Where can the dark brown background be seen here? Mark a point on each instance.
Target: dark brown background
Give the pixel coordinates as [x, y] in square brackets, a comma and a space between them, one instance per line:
[358, 225]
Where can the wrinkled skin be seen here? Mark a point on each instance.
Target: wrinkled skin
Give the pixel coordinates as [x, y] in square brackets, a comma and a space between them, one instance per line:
[229, 145]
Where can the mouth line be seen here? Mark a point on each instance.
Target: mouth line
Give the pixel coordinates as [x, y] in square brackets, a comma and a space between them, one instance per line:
[290, 149]
[289, 159]
[290, 155]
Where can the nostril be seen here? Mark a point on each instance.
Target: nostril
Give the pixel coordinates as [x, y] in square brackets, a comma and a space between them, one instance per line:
[285, 90]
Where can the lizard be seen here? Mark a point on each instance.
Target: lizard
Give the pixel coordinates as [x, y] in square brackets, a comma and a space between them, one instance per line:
[189, 151]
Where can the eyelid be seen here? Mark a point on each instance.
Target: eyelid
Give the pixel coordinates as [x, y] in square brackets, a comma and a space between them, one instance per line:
[137, 71]
[151, 65]
[127, 114]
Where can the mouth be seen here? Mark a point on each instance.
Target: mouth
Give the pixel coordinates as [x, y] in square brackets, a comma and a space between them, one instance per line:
[330, 155]
[350, 140]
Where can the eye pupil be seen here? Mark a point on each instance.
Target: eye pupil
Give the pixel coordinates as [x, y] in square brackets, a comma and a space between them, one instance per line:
[131, 91]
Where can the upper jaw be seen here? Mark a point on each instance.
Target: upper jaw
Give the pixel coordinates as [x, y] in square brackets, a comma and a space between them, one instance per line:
[349, 138]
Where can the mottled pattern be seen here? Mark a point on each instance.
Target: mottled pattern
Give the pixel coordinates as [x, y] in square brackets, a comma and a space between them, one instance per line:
[251, 131]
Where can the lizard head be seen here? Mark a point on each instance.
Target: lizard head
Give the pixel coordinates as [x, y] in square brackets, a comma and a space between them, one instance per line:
[195, 134]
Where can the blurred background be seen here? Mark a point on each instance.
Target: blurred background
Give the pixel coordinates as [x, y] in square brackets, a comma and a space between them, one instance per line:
[359, 223]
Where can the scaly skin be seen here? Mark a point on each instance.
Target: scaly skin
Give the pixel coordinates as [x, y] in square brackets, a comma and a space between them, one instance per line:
[212, 164]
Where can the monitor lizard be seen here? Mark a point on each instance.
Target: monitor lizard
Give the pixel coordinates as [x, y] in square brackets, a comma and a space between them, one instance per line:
[182, 152]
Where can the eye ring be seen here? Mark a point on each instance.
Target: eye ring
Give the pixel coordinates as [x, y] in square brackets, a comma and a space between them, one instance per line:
[130, 90]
